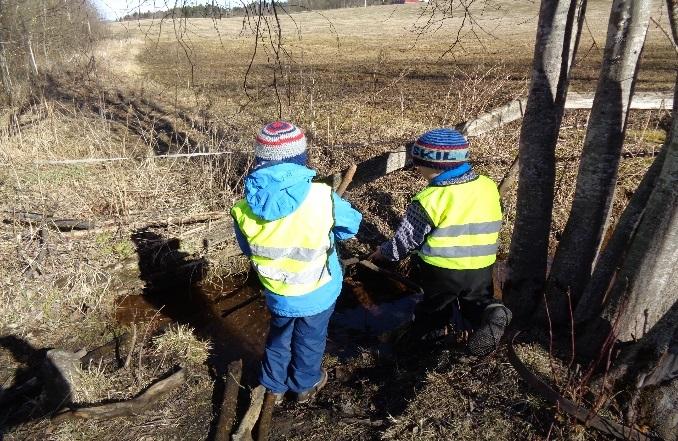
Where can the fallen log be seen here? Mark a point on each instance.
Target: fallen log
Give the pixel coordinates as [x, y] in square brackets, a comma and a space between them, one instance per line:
[81, 161]
[108, 226]
[244, 432]
[586, 416]
[38, 219]
[83, 227]
[8, 397]
[266, 417]
[229, 402]
[145, 400]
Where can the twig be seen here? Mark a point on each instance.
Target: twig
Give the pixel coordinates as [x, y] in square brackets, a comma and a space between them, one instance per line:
[348, 177]
[661, 28]
[128, 359]
[97, 354]
[392, 275]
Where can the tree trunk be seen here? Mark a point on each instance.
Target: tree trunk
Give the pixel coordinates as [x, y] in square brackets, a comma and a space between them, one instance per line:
[4, 72]
[558, 34]
[597, 175]
[612, 256]
[649, 371]
[672, 6]
[4, 67]
[646, 286]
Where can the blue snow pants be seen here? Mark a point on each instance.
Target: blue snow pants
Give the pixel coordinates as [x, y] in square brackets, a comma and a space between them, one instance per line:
[294, 352]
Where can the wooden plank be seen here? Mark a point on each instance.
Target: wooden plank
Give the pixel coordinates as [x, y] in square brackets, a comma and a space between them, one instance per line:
[495, 118]
[639, 101]
[371, 169]
[244, 432]
[515, 109]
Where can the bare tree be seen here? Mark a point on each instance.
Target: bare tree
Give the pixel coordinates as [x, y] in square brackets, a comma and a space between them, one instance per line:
[597, 175]
[672, 6]
[646, 286]
[59, 27]
[4, 66]
[559, 28]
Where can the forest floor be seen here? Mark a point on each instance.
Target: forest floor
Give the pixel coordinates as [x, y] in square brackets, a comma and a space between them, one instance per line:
[361, 82]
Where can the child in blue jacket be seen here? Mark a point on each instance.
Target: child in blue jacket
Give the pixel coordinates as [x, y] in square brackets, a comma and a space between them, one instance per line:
[287, 226]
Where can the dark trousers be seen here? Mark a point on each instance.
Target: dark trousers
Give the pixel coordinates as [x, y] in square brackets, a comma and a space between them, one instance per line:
[451, 296]
[294, 352]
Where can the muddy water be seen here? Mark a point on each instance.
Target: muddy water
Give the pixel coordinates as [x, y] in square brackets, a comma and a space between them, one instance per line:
[233, 315]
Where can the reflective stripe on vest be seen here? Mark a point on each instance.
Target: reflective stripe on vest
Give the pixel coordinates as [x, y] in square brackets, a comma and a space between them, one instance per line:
[296, 253]
[466, 219]
[309, 275]
[290, 254]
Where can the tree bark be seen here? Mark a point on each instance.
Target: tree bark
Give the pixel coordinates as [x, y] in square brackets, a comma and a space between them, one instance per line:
[229, 403]
[612, 256]
[672, 6]
[558, 34]
[601, 153]
[646, 286]
[4, 67]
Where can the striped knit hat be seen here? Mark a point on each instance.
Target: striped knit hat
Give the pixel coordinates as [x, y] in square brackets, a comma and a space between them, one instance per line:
[280, 141]
[440, 149]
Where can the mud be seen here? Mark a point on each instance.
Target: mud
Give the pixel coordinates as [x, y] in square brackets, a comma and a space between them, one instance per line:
[233, 314]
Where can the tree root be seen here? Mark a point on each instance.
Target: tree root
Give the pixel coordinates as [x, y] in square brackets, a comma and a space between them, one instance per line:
[586, 416]
[148, 398]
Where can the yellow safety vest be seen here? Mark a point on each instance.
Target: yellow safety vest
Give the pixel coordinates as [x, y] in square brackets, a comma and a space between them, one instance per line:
[290, 254]
[466, 219]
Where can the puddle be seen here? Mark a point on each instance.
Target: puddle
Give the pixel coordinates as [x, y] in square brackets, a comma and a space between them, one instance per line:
[233, 315]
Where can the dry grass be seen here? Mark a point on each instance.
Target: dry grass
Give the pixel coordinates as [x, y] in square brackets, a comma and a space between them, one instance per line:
[186, 413]
[360, 82]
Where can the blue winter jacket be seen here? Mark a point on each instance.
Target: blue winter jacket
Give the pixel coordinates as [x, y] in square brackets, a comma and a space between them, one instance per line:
[275, 191]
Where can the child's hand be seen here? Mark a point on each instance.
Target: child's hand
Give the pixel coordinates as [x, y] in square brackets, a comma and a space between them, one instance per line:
[376, 256]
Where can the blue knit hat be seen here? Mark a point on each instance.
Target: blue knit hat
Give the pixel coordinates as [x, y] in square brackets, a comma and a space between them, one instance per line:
[280, 141]
[440, 149]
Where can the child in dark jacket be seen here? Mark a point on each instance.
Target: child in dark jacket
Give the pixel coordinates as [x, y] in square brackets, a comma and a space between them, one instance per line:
[452, 226]
[288, 226]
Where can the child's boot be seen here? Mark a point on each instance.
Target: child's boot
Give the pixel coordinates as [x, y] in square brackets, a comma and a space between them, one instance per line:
[304, 397]
[485, 339]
